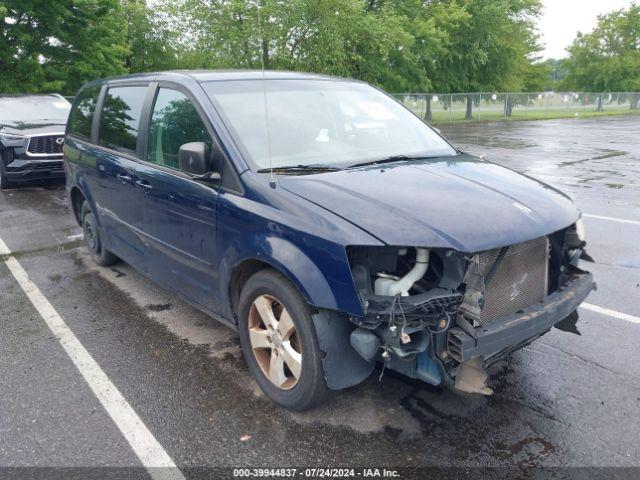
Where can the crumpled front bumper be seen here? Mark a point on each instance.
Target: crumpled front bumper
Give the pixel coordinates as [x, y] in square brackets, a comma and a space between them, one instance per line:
[507, 333]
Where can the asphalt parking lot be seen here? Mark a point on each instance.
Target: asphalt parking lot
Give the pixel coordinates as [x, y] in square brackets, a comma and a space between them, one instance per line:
[566, 400]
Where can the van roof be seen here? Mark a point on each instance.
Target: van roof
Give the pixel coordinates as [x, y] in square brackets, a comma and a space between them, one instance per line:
[212, 75]
[219, 75]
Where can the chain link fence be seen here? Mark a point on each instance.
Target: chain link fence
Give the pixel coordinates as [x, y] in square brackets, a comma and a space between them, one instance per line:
[457, 107]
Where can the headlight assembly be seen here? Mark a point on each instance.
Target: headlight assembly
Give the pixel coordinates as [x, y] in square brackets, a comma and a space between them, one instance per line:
[12, 139]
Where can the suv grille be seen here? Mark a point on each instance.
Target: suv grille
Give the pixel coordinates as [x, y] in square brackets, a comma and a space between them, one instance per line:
[45, 145]
[520, 280]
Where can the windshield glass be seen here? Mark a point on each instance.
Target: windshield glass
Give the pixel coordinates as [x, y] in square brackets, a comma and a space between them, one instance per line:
[34, 108]
[312, 122]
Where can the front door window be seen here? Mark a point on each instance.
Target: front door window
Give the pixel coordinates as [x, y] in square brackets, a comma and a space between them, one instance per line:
[174, 122]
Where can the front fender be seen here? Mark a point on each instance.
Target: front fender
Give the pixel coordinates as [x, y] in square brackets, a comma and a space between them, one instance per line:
[322, 276]
[304, 242]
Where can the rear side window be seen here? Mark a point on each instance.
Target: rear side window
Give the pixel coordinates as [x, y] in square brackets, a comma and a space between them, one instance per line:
[174, 122]
[121, 114]
[82, 114]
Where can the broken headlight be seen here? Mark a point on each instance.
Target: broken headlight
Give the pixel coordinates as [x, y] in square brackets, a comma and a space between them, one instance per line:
[417, 283]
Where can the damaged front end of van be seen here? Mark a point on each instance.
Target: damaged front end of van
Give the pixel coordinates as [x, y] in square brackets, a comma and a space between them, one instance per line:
[444, 316]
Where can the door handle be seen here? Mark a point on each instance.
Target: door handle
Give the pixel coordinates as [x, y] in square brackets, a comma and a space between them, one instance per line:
[123, 178]
[143, 185]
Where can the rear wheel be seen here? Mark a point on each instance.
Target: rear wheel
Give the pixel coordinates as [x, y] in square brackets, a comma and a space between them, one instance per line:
[92, 238]
[279, 341]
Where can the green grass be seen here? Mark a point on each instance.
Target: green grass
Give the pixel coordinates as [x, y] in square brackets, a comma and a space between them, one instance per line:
[489, 115]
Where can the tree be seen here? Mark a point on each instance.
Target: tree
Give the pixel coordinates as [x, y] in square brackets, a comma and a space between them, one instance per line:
[338, 37]
[429, 25]
[538, 76]
[608, 58]
[399, 45]
[57, 46]
[489, 48]
[151, 37]
[557, 73]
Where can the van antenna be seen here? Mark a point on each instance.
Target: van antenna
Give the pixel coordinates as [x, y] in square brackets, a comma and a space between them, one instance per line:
[272, 180]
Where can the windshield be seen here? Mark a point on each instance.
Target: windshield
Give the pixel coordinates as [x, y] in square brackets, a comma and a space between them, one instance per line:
[313, 122]
[34, 108]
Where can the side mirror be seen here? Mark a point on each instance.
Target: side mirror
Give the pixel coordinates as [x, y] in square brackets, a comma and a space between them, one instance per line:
[195, 158]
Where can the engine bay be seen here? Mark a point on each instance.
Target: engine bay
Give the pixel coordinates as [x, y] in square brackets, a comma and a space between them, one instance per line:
[413, 296]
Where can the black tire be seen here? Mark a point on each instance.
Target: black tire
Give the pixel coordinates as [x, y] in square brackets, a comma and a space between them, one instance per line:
[311, 388]
[92, 239]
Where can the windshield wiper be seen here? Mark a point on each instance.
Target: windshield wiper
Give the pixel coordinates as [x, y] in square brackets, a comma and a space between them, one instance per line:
[391, 159]
[315, 167]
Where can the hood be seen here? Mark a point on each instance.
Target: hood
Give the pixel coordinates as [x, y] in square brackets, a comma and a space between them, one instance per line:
[457, 202]
[34, 127]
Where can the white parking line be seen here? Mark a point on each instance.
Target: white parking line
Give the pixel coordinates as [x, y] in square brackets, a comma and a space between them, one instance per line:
[611, 313]
[613, 219]
[142, 441]
[77, 236]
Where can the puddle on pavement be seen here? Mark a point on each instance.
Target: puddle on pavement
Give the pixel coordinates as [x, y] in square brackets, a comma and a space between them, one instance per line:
[510, 143]
[608, 154]
[526, 453]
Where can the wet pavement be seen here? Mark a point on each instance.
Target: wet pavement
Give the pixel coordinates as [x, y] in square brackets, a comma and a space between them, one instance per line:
[566, 400]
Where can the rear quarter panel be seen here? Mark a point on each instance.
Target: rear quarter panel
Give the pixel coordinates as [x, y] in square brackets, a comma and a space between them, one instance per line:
[78, 160]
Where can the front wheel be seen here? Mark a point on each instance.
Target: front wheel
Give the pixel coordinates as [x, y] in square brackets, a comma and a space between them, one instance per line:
[279, 342]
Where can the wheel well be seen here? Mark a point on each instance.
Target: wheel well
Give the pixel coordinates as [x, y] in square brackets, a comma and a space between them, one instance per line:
[241, 273]
[77, 199]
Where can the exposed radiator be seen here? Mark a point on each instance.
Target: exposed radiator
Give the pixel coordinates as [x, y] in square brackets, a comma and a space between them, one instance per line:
[521, 278]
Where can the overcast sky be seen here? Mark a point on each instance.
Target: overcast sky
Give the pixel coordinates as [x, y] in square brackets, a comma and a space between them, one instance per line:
[562, 19]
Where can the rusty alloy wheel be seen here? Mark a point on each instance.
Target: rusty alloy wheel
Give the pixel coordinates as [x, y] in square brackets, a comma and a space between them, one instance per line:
[274, 342]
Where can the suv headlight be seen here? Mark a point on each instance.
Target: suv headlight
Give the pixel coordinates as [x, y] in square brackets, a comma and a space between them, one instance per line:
[12, 139]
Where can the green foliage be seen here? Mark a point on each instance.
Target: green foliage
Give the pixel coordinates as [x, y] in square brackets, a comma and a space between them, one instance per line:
[490, 44]
[330, 36]
[59, 45]
[607, 59]
[400, 45]
[536, 77]
[151, 38]
[557, 73]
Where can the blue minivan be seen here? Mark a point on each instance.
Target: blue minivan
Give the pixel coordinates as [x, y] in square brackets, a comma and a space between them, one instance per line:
[327, 223]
